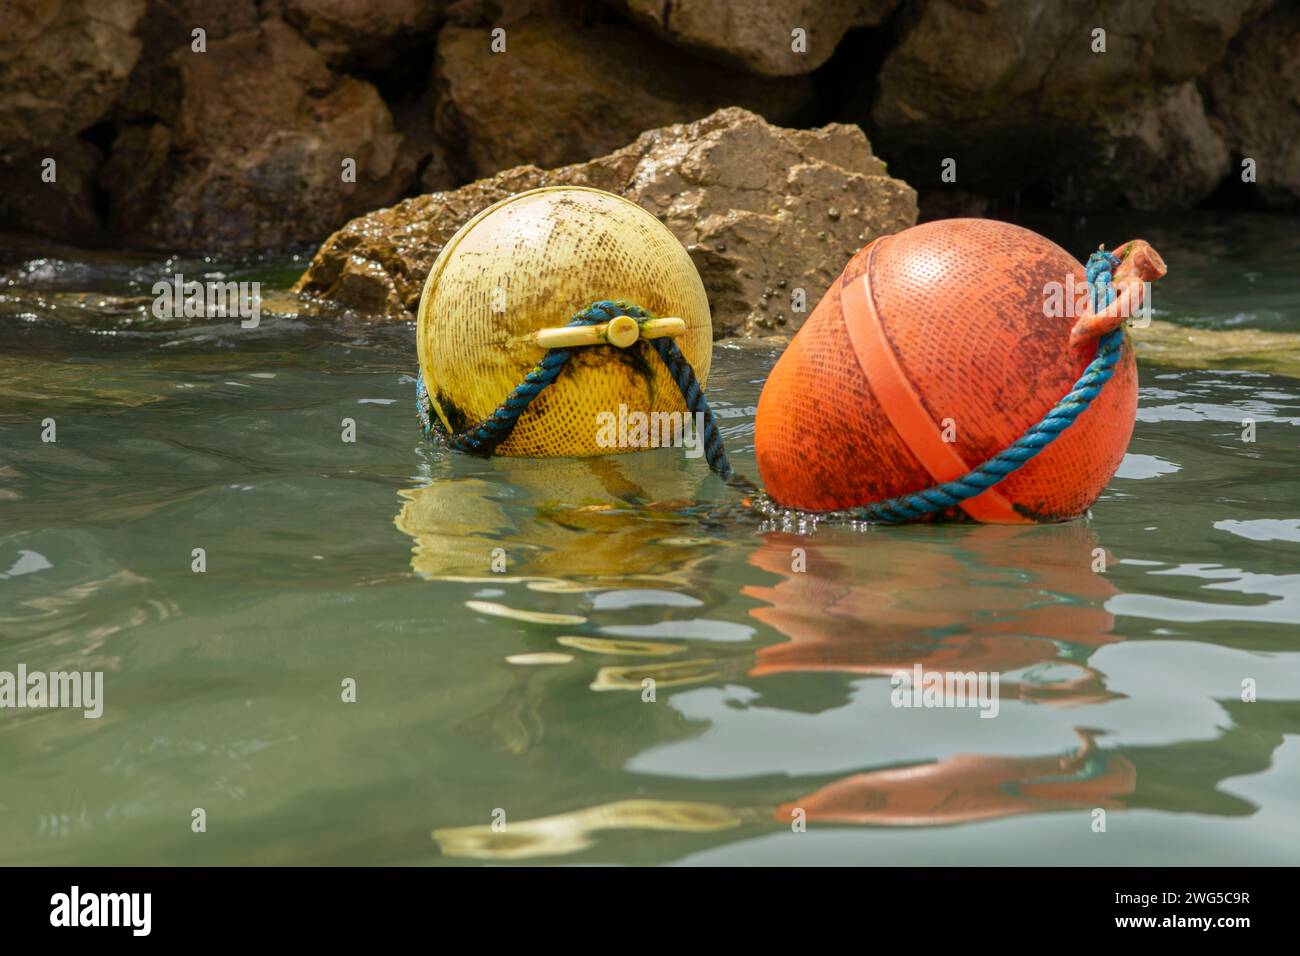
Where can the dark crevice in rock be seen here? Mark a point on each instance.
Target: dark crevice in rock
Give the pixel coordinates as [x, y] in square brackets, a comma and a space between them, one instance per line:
[845, 84]
[101, 136]
[1233, 193]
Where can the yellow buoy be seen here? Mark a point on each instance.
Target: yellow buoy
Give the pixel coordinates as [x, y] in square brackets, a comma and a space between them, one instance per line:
[508, 282]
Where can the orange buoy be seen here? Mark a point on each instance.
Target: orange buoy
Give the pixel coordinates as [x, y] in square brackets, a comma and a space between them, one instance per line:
[935, 350]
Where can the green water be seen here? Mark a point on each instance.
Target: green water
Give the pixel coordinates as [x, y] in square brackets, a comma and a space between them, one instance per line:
[1121, 691]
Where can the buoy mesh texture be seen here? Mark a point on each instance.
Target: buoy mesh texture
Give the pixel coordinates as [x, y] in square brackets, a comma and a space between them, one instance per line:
[961, 304]
[485, 438]
[531, 262]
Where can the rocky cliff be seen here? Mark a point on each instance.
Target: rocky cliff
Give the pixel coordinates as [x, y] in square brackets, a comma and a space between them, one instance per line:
[228, 124]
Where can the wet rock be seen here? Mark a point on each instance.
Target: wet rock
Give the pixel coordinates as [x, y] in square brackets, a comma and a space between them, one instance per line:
[751, 202]
[1257, 350]
[758, 36]
[1255, 95]
[563, 91]
[244, 146]
[62, 63]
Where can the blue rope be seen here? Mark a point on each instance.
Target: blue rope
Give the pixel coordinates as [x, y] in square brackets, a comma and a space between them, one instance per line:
[423, 409]
[1062, 415]
[482, 439]
[485, 437]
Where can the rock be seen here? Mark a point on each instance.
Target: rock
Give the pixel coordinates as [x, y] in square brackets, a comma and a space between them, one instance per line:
[763, 211]
[1255, 94]
[488, 14]
[1015, 94]
[372, 35]
[964, 61]
[62, 63]
[168, 26]
[564, 91]
[72, 208]
[758, 36]
[1165, 155]
[952, 204]
[1255, 350]
[243, 147]
[413, 118]
[64, 208]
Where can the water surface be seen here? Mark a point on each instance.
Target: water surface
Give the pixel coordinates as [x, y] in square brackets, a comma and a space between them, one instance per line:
[372, 561]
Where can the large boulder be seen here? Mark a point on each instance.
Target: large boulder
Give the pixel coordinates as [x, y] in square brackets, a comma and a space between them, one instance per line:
[1255, 95]
[563, 91]
[1015, 93]
[1165, 154]
[243, 146]
[759, 36]
[768, 215]
[998, 61]
[62, 63]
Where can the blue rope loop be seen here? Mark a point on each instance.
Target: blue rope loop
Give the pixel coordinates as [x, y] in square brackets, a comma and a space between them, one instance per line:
[485, 437]
[1062, 415]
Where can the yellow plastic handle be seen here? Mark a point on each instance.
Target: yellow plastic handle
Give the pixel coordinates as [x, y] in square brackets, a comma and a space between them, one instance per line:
[621, 332]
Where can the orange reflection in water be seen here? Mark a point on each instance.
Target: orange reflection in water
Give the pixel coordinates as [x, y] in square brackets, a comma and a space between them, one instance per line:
[993, 598]
[970, 787]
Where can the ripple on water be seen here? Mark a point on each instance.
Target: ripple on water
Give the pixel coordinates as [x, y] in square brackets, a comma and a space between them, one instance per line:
[372, 560]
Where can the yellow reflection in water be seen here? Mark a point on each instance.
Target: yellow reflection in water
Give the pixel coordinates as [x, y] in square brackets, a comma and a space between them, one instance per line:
[571, 832]
[674, 674]
[573, 526]
[492, 609]
[620, 647]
